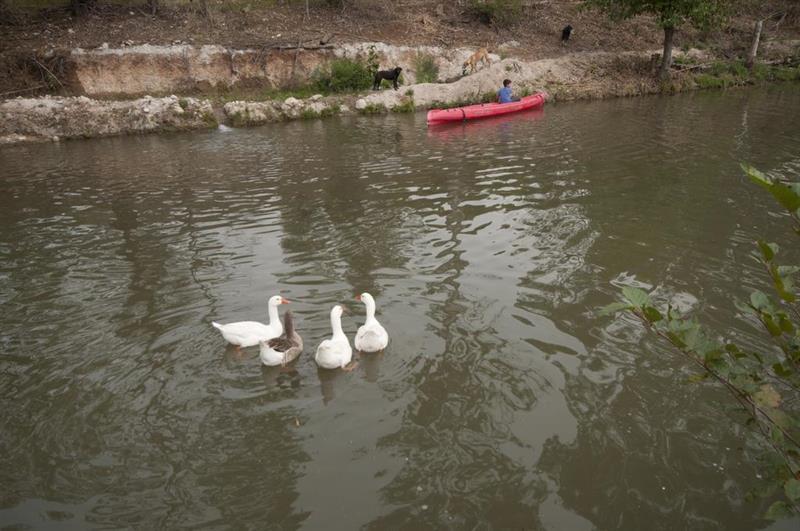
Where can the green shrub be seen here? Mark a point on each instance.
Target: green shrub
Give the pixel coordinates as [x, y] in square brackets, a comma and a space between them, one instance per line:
[709, 81]
[427, 70]
[342, 75]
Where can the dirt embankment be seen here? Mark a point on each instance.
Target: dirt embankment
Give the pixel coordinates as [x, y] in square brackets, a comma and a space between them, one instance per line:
[117, 54]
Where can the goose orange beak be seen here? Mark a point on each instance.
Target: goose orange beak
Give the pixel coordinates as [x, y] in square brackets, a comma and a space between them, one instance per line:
[284, 301]
[358, 297]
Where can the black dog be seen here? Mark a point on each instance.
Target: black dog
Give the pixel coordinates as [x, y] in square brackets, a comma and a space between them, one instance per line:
[392, 75]
[565, 33]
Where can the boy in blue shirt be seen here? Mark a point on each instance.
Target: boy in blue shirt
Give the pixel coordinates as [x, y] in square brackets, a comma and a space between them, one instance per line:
[504, 94]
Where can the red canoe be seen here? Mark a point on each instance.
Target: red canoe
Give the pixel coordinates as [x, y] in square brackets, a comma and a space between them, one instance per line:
[484, 110]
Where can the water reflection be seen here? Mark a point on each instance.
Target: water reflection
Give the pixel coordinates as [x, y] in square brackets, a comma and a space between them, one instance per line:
[502, 398]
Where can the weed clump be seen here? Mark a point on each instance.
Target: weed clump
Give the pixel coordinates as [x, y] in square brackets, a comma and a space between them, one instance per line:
[342, 75]
[426, 68]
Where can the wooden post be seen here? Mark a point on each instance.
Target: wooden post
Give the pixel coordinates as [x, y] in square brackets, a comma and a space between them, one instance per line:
[666, 57]
[751, 57]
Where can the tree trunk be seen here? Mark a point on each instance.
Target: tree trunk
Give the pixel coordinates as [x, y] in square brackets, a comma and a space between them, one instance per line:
[153, 5]
[666, 56]
[751, 57]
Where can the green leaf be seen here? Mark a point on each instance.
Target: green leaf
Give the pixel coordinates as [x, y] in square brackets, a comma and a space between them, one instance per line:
[786, 324]
[792, 489]
[784, 285]
[759, 300]
[745, 308]
[778, 511]
[614, 307]
[787, 195]
[768, 250]
[781, 371]
[770, 324]
[776, 435]
[782, 419]
[652, 315]
[756, 176]
[734, 351]
[786, 271]
[767, 396]
[638, 297]
[713, 355]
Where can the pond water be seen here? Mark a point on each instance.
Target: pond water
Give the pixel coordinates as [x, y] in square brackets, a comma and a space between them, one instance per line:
[503, 400]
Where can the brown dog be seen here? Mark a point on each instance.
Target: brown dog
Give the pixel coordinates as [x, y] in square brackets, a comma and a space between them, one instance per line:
[481, 56]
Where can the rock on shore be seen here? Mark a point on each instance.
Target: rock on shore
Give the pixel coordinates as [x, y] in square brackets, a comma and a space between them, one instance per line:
[54, 117]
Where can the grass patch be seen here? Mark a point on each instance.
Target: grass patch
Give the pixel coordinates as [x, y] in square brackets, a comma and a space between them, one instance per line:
[238, 119]
[525, 91]
[722, 75]
[373, 108]
[710, 81]
[299, 92]
[406, 106]
[426, 68]
[209, 119]
[309, 114]
[224, 95]
[327, 112]
[786, 73]
[684, 60]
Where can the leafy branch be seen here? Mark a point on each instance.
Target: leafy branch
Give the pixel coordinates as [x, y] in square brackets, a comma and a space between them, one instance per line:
[765, 383]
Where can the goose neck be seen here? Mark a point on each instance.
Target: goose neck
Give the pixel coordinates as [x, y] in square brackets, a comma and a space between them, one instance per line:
[370, 304]
[336, 326]
[273, 315]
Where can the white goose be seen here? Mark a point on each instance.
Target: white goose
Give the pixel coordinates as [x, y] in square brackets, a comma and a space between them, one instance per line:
[249, 333]
[371, 336]
[336, 352]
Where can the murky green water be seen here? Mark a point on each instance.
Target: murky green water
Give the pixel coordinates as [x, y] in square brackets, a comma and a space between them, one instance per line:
[503, 400]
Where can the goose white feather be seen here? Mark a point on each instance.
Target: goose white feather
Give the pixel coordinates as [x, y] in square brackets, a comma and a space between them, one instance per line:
[371, 336]
[336, 352]
[249, 333]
